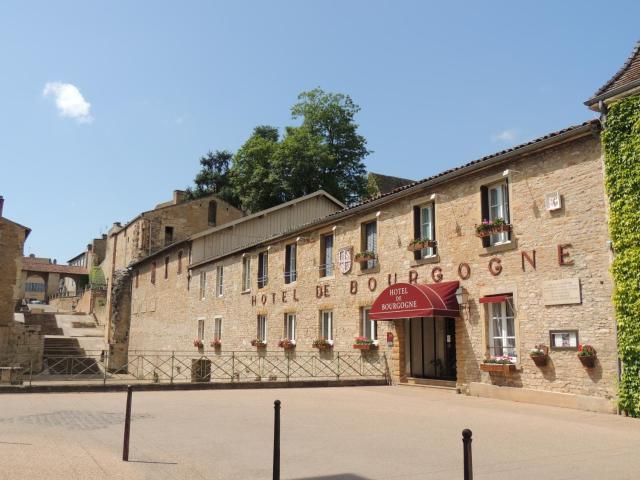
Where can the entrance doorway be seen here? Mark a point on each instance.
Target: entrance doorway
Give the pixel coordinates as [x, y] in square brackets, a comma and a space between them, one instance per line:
[431, 348]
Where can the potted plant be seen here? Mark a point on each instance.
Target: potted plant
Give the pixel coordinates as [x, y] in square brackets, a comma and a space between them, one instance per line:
[322, 344]
[365, 256]
[540, 355]
[256, 342]
[502, 365]
[198, 343]
[287, 344]
[587, 355]
[420, 244]
[216, 343]
[491, 227]
[364, 343]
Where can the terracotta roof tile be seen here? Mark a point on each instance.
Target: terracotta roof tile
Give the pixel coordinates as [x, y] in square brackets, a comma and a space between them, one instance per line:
[628, 73]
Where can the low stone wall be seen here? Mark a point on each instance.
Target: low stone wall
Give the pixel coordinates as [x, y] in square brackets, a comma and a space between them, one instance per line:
[64, 304]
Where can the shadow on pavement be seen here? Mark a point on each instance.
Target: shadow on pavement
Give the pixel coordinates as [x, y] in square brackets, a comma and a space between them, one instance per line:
[151, 461]
[340, 476]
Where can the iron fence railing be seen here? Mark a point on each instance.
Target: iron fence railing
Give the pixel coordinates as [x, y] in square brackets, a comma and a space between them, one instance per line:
[182, 367]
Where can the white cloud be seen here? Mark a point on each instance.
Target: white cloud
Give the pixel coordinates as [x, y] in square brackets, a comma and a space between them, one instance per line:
[69, 101]
[505, 136]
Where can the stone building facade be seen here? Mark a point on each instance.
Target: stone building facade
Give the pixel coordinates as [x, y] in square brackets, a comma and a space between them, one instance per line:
[19, 344]
[545, 282]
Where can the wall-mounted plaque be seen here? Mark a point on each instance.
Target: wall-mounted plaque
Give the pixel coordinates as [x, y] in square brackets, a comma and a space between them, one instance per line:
[561, 292]
[345, 259]
[563, 339]
[553, 201]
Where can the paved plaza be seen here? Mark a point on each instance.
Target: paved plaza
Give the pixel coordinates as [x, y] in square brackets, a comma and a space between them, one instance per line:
[327, 433]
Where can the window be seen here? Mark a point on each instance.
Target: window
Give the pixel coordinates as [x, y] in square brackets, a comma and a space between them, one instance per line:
[262, 328]
[203, 284]
[369, 327]
[217, 328]
[246, 274]
[168, 235]
[201, 329]
[219, 281]
[495, 204]
[153, 273]
[263, 269]
[424, 228]
[212, 213]
[290, 326]
[326, 324]
[179, 262]
[326, 255]
[502, 332]
[166, 267]
[290, 274]
[370, 242]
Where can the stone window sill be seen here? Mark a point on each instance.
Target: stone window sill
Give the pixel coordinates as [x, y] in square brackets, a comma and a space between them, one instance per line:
[245, 292]
[426, 260]
[503, 247]
[368, 271]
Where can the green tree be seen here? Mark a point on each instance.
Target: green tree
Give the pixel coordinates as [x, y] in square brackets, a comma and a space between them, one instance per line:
[252, 175]
[330, 116]
[214, 178]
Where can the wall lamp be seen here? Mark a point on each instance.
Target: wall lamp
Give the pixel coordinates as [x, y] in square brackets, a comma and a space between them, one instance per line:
[508, 171]
[462, 297]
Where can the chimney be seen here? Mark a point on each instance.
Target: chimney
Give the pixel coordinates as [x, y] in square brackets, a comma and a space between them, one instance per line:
[1, 204]
[178, 196]
[55, 261]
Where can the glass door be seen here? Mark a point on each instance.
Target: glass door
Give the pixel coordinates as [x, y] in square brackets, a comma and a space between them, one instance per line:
[432, 348]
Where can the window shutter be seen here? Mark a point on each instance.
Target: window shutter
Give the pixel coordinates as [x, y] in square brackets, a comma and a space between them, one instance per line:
[484, 200]
[433, 226]
[416, 230]
[287, 264]
[507, 205]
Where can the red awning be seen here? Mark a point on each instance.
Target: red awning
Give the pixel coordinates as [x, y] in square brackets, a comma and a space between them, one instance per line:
[407, 300]
[494, 298]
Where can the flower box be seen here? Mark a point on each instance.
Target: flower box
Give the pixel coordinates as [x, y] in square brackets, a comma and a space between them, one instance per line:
[198, 343]
[363, 343]
[587, 355]
[216, 343]
[540, 355]
[487, 228]
[421, 244]
[322, 344]
[498, 368]
[363, 257]
[258, 343]
[287, 344]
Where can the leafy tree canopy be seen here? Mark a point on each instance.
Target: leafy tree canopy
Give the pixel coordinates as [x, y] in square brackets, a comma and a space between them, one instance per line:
[324, 152]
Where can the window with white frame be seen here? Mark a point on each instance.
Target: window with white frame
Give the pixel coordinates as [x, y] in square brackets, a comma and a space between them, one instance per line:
[424, 228]
[219, 280]
[502, 330]
[203, 285]
[326, 255]
[290, 260]
[370, 242]
[495, 205]
[246, 274]
[263, 269]
[217, 328]
[262, 328]
[326, 324]
[290, 326]
[201, 329]
[369, 327]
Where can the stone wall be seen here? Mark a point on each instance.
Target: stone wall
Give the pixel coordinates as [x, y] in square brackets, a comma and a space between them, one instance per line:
[165, 314]
[12, 237]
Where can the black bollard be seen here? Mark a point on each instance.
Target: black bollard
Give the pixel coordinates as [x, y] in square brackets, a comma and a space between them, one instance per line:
[466, 449]
[276, 441]
[127, 427]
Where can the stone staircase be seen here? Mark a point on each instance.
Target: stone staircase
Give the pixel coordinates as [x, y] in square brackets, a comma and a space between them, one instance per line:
[430, 383]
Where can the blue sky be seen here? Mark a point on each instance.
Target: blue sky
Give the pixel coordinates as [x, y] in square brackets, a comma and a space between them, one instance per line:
[160, 83]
